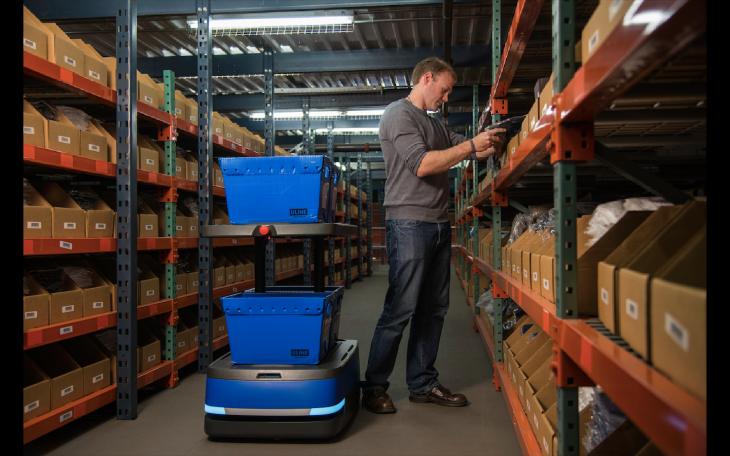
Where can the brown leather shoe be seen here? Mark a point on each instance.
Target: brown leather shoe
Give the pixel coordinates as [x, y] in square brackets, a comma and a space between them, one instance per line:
[377, 401]
[440, 395]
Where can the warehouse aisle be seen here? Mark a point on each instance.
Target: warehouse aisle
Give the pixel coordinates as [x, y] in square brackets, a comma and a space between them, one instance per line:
[170, 422]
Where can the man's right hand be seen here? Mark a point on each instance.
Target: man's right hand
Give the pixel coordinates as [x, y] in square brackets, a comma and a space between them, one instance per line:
[488, 142]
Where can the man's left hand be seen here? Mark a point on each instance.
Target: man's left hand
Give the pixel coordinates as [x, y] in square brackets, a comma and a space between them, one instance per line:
[490, 143]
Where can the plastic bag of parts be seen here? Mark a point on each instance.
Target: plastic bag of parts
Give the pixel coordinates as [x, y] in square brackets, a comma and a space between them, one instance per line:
[44, 109]
[525, 328]
[77, 117]
[50, 278]
[183, 262]
[606, 417]
[537, 211]
[608, 214]
[26, 192]
[26, 288]
[533, 335]
[519, 225]
[181, 152]
[191, 203]
[86, 200]
[80, 276]
[510, 308]
[107, 338]
[486, 299]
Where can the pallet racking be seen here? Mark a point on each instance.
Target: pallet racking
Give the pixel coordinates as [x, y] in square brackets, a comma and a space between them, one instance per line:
[585, 353]
[126, 244]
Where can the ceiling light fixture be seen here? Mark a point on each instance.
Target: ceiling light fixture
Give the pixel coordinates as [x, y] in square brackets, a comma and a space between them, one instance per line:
[279, 23]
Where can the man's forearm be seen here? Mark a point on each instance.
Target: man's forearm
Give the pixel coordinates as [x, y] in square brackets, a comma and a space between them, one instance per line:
[438, 161]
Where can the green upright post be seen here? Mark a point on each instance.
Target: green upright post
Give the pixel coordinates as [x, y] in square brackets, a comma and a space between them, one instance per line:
[475, 111]
[496, 210]
[565, 193]
[170, 292]
[496, 57]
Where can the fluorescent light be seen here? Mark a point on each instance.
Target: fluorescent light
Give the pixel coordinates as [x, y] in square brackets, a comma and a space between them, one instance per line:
[366, 112]
[296, 114]
[184, 52]
[236, 50]
[285, 48]
[253, 50]
[167, 53]
[244, 23]
[218, 51]
[349, 130]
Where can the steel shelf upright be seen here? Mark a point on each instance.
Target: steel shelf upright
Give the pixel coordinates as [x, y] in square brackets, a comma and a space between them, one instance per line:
[126, 129]
[306, 242]
[359, 217]
[331, 240]
[348, 220]
[369, 206]
[205, 184]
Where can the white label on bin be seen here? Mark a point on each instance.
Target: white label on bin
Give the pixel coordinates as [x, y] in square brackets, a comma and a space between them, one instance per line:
[150, 292]
[230, 276]
[68, 390]
[34, 225]
[217, 130]
[151, 358]
[178, 169]
[31, 315]
[507, 264]
[234, 241]
[220, 179]
[195, 284]
[528, 406]
[192, 228]
[525, 273]
[97, 305]
[148, 227]
[632, 308]
[66, 416]
[534, 418]
[593, 41]
[29, 43]
[181, 344]
[179, 287]
[69, 60]
[66, 245]
[195, 173]
[178, 228]
[235, 289]
[192, 118]
[545, 444]
[676, 331]
[545, 284]
[31, 406]
[93, 148]
[67, 330]
[196, 339]
[514, 378]
[98, 378]
[67, 309]
[150, 161]
[220, 278]
[534, 276]
[28, 130]
[64, 139]
[100, 226]
[221, 328]
[228, 135]
[69, 226]
[94, 75]
[178, 111]
[238, 140]
[604, 295]
[240, 274]
[147, 99]
[521, 393]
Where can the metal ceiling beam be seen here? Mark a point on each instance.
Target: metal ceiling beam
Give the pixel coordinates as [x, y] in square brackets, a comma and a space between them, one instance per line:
[307, 62]
[396, 31]
[378, 36]
[456, 118]
[416, 35]
[360, 38]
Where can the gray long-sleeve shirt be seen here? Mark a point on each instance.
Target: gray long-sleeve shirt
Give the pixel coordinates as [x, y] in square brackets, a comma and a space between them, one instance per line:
[407, 133]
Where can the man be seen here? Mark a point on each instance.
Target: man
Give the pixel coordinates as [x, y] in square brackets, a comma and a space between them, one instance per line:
[418, 152]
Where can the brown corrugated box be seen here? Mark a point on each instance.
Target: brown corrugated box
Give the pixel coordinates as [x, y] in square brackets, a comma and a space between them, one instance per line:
[219, 320]
[192, 168]
[634, 279]
[181, 167]
[99, 221]
[191, 111]
[36, 306]
[149, 348]
[158, 161]
[541, 394]
[230, 268]
[69, 220]
[217, 124]
[217, 175]
[183, 339]
[192, 219]
[34, 126]
[523, 351]
[181, 282]
[148, 285]
[61, 50]
[192, 286]
[515, 252]
[97, 297]
[605, 18]
[247, 263]
[147, 90]
[147, 220]
[37, 217]
[35, 40]
[219, 274]
[189, 317]
[536, 282]
[679, 317]
[528, 363]
[220, 215]
[66, 305]
[182, 223]
[527, 251]
[240, 274]
[534, 115]
[94, 67]
[546, 96]
[67, 377]
[36, 391]
[95, 365]
[620, 257]
[61, 135]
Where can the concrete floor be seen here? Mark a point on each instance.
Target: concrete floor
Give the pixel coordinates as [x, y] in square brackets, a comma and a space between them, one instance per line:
[170, 422]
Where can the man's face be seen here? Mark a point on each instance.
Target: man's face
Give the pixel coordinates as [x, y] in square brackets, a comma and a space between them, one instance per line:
[436, 90]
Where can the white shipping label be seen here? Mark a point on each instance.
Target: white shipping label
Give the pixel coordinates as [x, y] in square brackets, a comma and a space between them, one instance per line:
[66, 416]
[31, 406]
[64, 139]
[181, 344]
[593, 42]
[192, 228]
[66, 245]
[93, 148]
[230, 276]
[34, 225]
[632, 308]
[98, 378]
[528, 406]
[545, 284]
[97, 305]
[195, 284]
[534, 418]
[150, 161]
[220, 179]
[150, 292]
[178, 111]
[514, 378]
[533, 121]
[67, 330]
[67, 309]
[521, 393]
[194, 173]
[676, 331]
[235, 289]
[151, 358]
[221, 328]
[234, 241]
[147, 99]
[604, 295]
[148, 227]
[238, 140]
[220, 279]
[192, 118]
[217, 130]
[513, 150]
[534, 276]
[178, 169]
[613, 9]
[179, 287]
[178, 228]
[69, 60]
[507, 264]
[513, 267]
[31, 315]
[68, 390]
[100, 226]
[28, 130]
[545, 444]
[196, 339]
[29, 43]
[228, 135]
[69, 226]
[94, 75]
[240, 274]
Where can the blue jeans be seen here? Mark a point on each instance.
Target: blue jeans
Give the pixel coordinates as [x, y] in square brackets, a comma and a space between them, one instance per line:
[419, 255]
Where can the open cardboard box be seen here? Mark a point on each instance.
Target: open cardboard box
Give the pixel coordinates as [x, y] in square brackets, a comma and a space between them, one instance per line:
[537, 284]
[620, 257]
[147, 219]
[147, 91]
[515, 252]
[219, 273]
[36, 391]
[159, 210]
[521, 352]
[35, 39]
[183, 339]
[60, 49]
[37, 217]
[159, 271]
[192, 273]
[526, 256]
[97, 297]
[95, 365]
[67, 377]
[548, 437]
[149, 348]
[192, 219]
[147, 158]
[99, 221]
[34, 126]
[36, 306]
[66, 305]
[60, 135]
[537, 399]
[247, 264]
[635, 278]
[94, 66]
[92, 143]
[191, 111]
[69, 220]
[220, 215]
[189, 317]
[182, 223]
[158, 166]
[528, 367]
[240, 274]
[219, 320]
[679, 317]
[218, 125]
[181, 282]
[230, 268]
[148, 284]
[191, 167]
[217, 175]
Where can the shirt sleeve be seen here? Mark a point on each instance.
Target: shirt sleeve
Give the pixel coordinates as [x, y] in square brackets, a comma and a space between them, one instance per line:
[457, 139]
[408, 142]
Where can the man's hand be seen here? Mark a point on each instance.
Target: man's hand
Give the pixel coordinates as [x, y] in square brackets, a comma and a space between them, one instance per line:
[488, 143]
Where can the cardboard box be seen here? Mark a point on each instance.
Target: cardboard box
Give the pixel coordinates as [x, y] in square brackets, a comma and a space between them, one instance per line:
[522, 351]
[191, 111]
[36, 306]
[189, 317]
[94, 67]
[192, 168]
[155, 164]
[61, 135]
[546, 96]
[515, 253]
[65, 305]
[219, 320]
[146, 92]
[69, 220]
[109, 132]
[97, 297]
[36, 391]
[35, 40]
[219, 274]
[148, 285]
[183, 339]
[525, 130]
[525, 263]
[679, 317]
[536, 283]
[248, 139]
[149, 348]
[240, 268]
[528, 363]
[34, 126]
[95, 365]
[217, 124]
[192, 219]
[66, 376]
[620, 257]
[110, 353]
[37, 217]
[99, 221]
[111, 71]
[541, 394]
[181, 167]
[158, 210]
[220, 215]
[517, 347]
[230, 268]
[605, 18]
[634, 279]
[192, 285]
[534, 115]
[217, 175]
[246, 262]
[147, 220]
[65, 53]
[181, 282]
[182, 223]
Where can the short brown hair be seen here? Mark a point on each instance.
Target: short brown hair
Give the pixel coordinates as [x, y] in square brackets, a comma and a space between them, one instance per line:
[434, 66]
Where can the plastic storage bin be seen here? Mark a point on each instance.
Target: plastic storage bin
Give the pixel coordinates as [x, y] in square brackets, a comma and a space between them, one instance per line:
[282, 327]
[278, 189]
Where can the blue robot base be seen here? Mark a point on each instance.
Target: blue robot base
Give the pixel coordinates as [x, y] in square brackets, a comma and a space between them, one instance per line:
[283, 401]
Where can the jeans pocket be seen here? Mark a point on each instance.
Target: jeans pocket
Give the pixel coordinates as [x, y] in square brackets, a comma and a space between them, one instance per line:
[408, 224]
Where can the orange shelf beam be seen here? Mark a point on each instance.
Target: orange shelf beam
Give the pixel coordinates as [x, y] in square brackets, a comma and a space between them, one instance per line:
[68, 329]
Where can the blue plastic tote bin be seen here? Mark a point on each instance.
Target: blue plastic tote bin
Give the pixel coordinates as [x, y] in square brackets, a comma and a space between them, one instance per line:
[277, 189]
[282, 327]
